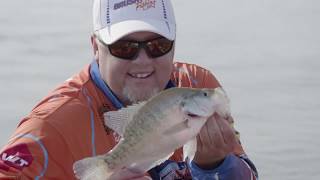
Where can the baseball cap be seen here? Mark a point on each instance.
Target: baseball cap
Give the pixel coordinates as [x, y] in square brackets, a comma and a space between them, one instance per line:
[114, 19]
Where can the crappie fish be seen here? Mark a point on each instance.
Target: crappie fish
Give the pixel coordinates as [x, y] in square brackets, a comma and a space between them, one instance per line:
[152, 130]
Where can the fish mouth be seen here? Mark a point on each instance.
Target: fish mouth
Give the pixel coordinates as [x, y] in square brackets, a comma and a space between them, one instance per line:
[192, 115]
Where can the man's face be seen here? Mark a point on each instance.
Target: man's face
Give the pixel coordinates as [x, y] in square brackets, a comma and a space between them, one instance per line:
[134, 80]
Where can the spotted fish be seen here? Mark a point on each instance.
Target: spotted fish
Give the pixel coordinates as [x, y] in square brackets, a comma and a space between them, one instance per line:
[152, 130]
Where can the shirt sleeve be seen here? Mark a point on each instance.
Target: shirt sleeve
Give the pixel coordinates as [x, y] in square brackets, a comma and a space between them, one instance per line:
[232, 168]
[36, 151]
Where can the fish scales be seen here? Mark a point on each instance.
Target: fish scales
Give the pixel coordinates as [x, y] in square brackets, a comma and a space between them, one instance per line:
[143, 122]
[150, 115]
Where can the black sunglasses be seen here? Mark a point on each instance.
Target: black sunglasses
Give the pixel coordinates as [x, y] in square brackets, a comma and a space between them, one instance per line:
[129, 49]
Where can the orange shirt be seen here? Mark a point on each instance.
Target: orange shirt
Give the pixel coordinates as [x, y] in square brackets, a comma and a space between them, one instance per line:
[67, 126]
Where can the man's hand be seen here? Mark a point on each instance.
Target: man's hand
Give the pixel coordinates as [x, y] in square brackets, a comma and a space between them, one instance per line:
[215, 141]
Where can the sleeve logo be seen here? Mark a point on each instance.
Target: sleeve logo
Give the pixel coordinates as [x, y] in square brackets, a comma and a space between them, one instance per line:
[17, 157]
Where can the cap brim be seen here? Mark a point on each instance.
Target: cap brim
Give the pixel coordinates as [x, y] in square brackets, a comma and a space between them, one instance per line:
[112, 33]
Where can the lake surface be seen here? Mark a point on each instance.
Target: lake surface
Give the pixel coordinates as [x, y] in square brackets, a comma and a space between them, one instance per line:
[265, 53]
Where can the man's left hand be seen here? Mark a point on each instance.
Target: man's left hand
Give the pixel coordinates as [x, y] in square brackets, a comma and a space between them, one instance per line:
[215, 141]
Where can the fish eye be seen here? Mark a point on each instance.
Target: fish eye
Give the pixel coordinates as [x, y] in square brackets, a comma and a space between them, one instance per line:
[205, 94]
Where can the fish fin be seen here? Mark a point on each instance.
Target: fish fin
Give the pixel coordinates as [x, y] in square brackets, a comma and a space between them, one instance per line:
[176, 128]
[118, 120]
[91, 168]
[189, 150]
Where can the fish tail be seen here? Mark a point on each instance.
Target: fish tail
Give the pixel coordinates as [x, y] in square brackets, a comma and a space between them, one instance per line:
[91, 168]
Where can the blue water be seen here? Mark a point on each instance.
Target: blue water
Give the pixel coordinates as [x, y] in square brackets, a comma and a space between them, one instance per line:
[265, 53]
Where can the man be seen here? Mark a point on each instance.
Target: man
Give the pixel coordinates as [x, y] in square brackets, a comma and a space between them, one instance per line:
[133, 45]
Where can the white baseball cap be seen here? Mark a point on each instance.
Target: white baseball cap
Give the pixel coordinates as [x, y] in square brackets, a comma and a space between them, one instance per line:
[114, 19]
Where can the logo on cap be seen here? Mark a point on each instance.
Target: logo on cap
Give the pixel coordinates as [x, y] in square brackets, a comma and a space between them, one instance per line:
[146, 4]
[124, 4]
[17, 157]
[140, 4]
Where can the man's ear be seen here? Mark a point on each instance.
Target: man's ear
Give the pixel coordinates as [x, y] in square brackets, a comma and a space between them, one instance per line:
[94, 47]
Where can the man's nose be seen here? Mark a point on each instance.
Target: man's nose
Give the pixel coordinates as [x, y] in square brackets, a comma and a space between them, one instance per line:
[143, 58]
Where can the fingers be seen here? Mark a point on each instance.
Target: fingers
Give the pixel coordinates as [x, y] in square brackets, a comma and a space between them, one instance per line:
[217, 131]
[200, 144]
[210, 135]
[215, 140]
[214, 131]
[227, 132]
